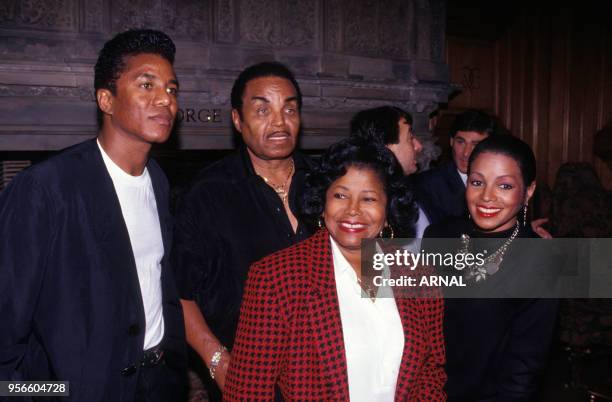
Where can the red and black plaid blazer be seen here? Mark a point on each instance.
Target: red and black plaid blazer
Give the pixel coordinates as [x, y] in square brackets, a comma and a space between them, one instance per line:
[290, 333]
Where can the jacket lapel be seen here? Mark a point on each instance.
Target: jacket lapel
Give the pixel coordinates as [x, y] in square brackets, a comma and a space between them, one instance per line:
[406, 379]
[325, 315]
[457, 201]
[160, 189]
[112, 237]
[453, 179]
[174, 333]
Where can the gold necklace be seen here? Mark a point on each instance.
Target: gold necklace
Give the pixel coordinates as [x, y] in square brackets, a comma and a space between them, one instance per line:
[281, 189]
[366, 288]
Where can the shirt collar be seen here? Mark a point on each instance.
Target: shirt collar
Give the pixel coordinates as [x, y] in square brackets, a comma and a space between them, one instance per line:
[341, 264]
[117, 173]
[299, 162]
[463, 177]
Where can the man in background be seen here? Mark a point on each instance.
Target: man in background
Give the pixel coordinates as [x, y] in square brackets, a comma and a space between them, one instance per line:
[441, 191]
[392, 127]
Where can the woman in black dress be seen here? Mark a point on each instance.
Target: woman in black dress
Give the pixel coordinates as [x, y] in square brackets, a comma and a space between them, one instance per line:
[496, 345]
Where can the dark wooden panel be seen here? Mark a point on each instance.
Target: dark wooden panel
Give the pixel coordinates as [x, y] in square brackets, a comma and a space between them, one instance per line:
[552, 82]
[604, 168]
[592, 45]
[542, 98]
[471, 67]
[517, 83]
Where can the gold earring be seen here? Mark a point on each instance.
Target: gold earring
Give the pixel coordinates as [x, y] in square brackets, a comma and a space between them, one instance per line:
[320, 223]
[525, 216]
[382, 235]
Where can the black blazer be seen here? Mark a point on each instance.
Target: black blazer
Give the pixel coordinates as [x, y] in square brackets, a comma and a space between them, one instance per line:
[440, 193]
[70, 299]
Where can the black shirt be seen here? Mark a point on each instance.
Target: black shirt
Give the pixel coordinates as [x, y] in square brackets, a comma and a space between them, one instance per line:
[229, 219]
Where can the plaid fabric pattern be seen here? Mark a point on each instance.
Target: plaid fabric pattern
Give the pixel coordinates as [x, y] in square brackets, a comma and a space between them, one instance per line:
[290, 333]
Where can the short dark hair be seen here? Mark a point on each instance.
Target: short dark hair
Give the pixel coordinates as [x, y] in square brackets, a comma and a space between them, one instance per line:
[512, 147]
[112, 57]
[265, 69]
[379, 124]
[356, 152]
[473, 120]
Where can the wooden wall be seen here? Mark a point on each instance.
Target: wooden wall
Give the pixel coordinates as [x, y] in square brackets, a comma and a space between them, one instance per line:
[548, 77]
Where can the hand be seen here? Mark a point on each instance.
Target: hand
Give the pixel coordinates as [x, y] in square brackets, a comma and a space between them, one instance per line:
[221, 370]
[203, 341]
[537, 224]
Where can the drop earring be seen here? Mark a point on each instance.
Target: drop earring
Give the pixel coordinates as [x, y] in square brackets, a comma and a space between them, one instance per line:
[382, 234]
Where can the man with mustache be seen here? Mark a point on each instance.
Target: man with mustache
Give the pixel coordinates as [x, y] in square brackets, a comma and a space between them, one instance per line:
[239, 210]
[86, 292]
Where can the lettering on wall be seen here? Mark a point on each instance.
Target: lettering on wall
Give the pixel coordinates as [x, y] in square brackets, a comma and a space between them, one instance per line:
[204, 115]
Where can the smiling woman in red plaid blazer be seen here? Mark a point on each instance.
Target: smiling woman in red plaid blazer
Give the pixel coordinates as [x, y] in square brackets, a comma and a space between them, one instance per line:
[301, 326]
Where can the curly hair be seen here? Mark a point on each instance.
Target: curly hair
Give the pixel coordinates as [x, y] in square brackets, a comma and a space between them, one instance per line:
[356, 152]
[112, 57]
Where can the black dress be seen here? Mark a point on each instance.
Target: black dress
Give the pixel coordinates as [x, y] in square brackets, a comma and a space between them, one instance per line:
[495, 347]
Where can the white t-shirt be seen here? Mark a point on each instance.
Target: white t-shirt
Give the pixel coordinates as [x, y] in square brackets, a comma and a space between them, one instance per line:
[139, 209]
[373, 336]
